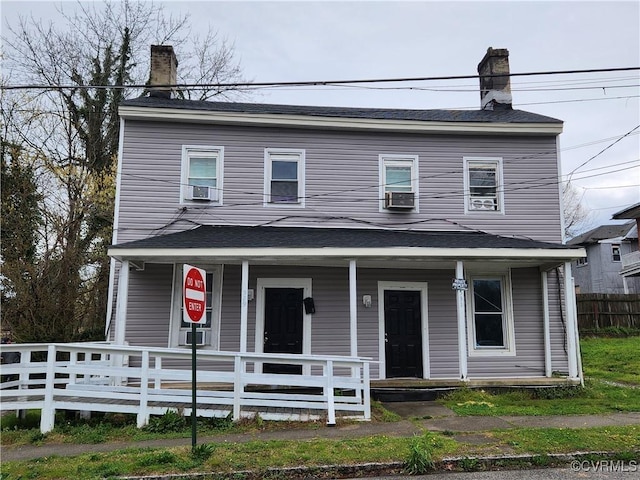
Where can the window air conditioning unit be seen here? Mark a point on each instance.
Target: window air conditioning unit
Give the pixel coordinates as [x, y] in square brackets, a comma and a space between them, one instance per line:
[201, 337]
[399, 200]
[484, 203]
[205, 194]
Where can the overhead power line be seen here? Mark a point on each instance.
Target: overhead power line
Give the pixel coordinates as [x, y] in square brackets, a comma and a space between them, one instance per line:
[315, 82]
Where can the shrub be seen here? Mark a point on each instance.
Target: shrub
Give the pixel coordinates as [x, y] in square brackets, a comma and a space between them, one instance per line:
[171, 421]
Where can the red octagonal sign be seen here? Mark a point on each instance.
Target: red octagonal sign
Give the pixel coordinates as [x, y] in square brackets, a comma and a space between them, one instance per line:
[194, 294]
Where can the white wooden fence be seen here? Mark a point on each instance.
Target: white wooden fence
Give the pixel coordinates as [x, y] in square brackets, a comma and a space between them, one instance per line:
[148, 381]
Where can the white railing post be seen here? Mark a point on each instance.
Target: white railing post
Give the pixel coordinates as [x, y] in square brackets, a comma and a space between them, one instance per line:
[143, 412]
[23, 376]
[237, 387]
[47, 416]
[157, 384]
[331, 403]
[366, 391]
[73, 361]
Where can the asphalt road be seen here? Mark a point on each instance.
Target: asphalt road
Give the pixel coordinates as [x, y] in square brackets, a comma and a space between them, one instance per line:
[579, 471]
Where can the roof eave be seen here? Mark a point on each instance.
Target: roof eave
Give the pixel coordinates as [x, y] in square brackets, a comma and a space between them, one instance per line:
[311, 121]
[548, 254]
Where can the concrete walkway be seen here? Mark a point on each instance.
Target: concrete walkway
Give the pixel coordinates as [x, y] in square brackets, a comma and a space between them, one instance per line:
[417, 417]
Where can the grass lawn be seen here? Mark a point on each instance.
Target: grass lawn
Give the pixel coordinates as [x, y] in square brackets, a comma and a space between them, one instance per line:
[605, 360]
[612, 359]
[261, 455]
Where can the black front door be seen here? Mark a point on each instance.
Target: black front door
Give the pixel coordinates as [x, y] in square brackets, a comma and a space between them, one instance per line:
[283, 323]
[403, 333]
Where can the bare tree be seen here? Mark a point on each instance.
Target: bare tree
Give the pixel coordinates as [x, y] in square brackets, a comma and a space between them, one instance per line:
[68, 134]
[577, 218]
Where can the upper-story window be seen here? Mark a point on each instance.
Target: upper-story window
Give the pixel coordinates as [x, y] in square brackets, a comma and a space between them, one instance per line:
[202, 174]
[491, 329]
[483, 185]
[615, 252]
[399, 181]
[284, 177]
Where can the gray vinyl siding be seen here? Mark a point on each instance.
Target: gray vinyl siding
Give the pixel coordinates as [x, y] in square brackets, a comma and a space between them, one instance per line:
[528, 329]
[149, 306]
[558, 322]
[342, 178]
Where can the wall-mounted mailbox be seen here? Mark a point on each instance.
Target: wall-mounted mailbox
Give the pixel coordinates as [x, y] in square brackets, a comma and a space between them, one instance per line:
[309, 305]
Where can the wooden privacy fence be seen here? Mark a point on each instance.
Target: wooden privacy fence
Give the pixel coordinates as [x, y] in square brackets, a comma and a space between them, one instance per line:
[149, 381]
[600, 310]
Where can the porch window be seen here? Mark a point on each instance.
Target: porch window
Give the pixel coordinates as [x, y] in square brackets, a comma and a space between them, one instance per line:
[398, 173]
[483, 185]
[207, 333]
[615, 253]
[491, 323]
[202, 174]
[284, 177]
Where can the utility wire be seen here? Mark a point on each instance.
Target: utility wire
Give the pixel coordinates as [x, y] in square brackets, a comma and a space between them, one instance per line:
[602, 151]
[315, 82]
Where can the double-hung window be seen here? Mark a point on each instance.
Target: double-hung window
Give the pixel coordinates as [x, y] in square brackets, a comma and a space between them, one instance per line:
[284, 177]
[483, 185]
[202, 174]
[615, 253]
[490, 318]
[399, 173]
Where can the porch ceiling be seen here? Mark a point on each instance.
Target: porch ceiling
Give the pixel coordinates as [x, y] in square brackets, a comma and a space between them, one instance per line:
[335, 247]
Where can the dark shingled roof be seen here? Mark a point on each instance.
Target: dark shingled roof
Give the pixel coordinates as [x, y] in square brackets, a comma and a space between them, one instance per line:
[603, 232]
[207, 236]
[480, 116]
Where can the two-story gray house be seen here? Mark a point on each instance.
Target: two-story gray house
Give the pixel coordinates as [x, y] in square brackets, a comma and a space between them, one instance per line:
[603, 269]
[427, 240]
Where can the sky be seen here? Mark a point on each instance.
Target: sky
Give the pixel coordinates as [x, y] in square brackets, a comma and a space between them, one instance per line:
[332, 40]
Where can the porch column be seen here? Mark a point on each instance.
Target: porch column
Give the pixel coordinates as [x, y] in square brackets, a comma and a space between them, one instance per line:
[244, 305]
[572, 321]
[353, 308]
[121, 304]
[462, 324]
[547, 334]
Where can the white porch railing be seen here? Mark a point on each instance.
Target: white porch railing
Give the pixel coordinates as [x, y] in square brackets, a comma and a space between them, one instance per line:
[148, 381]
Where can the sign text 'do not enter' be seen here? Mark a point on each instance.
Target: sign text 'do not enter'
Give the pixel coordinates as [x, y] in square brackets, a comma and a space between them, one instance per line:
[194, 294]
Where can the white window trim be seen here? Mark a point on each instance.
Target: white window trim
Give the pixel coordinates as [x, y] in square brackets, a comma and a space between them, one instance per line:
[411, 160]
[267, 177]
[617, 246]
[184, 174]
[175, 331]
[421, 287]
[499, 187]
[509, 350]
[264, 283]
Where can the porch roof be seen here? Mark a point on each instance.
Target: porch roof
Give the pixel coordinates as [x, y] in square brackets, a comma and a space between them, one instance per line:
[264, 242]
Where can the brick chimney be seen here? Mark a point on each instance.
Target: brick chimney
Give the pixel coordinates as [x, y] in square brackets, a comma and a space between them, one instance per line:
[164, 70]
[495, 92]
